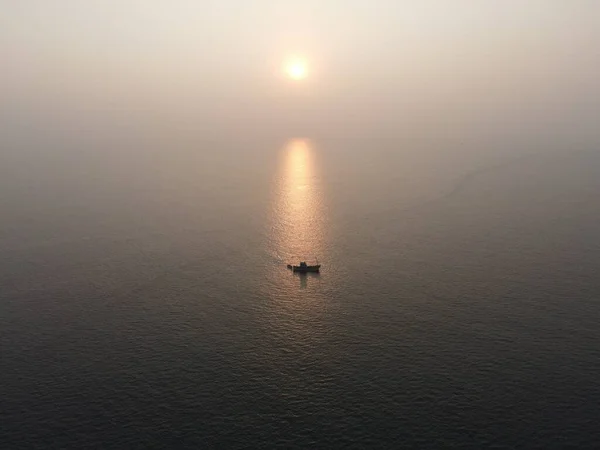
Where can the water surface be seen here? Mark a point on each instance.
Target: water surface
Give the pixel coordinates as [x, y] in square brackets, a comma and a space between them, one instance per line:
[145, 300]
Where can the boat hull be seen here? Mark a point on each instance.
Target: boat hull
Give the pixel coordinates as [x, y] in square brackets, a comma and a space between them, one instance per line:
[304, 269]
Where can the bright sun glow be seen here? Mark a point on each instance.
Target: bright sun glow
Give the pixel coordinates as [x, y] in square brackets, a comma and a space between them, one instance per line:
[296, 69]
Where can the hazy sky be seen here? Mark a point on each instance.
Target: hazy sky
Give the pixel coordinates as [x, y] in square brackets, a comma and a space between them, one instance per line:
[373, 65]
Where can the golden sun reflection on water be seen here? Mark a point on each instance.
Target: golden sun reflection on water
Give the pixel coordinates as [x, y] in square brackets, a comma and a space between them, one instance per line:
[293, 301]
[298, 207]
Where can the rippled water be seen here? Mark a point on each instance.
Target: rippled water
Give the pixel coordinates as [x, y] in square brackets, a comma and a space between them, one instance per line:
[145, 300]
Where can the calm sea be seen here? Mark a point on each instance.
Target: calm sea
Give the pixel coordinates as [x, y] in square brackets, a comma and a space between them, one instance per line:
[145, 300]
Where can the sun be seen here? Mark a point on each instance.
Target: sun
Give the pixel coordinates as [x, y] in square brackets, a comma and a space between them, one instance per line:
[296, 69]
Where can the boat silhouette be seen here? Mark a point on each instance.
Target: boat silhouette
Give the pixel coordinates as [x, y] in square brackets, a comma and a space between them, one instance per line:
[303, 267]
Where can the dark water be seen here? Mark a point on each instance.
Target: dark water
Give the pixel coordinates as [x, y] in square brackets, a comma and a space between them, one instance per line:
[145, 301]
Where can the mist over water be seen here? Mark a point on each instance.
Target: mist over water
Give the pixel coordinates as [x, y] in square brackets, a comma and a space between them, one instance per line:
[158, 171]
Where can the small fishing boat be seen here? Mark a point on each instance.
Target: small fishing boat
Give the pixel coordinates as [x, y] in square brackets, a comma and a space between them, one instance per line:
[303, 267]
